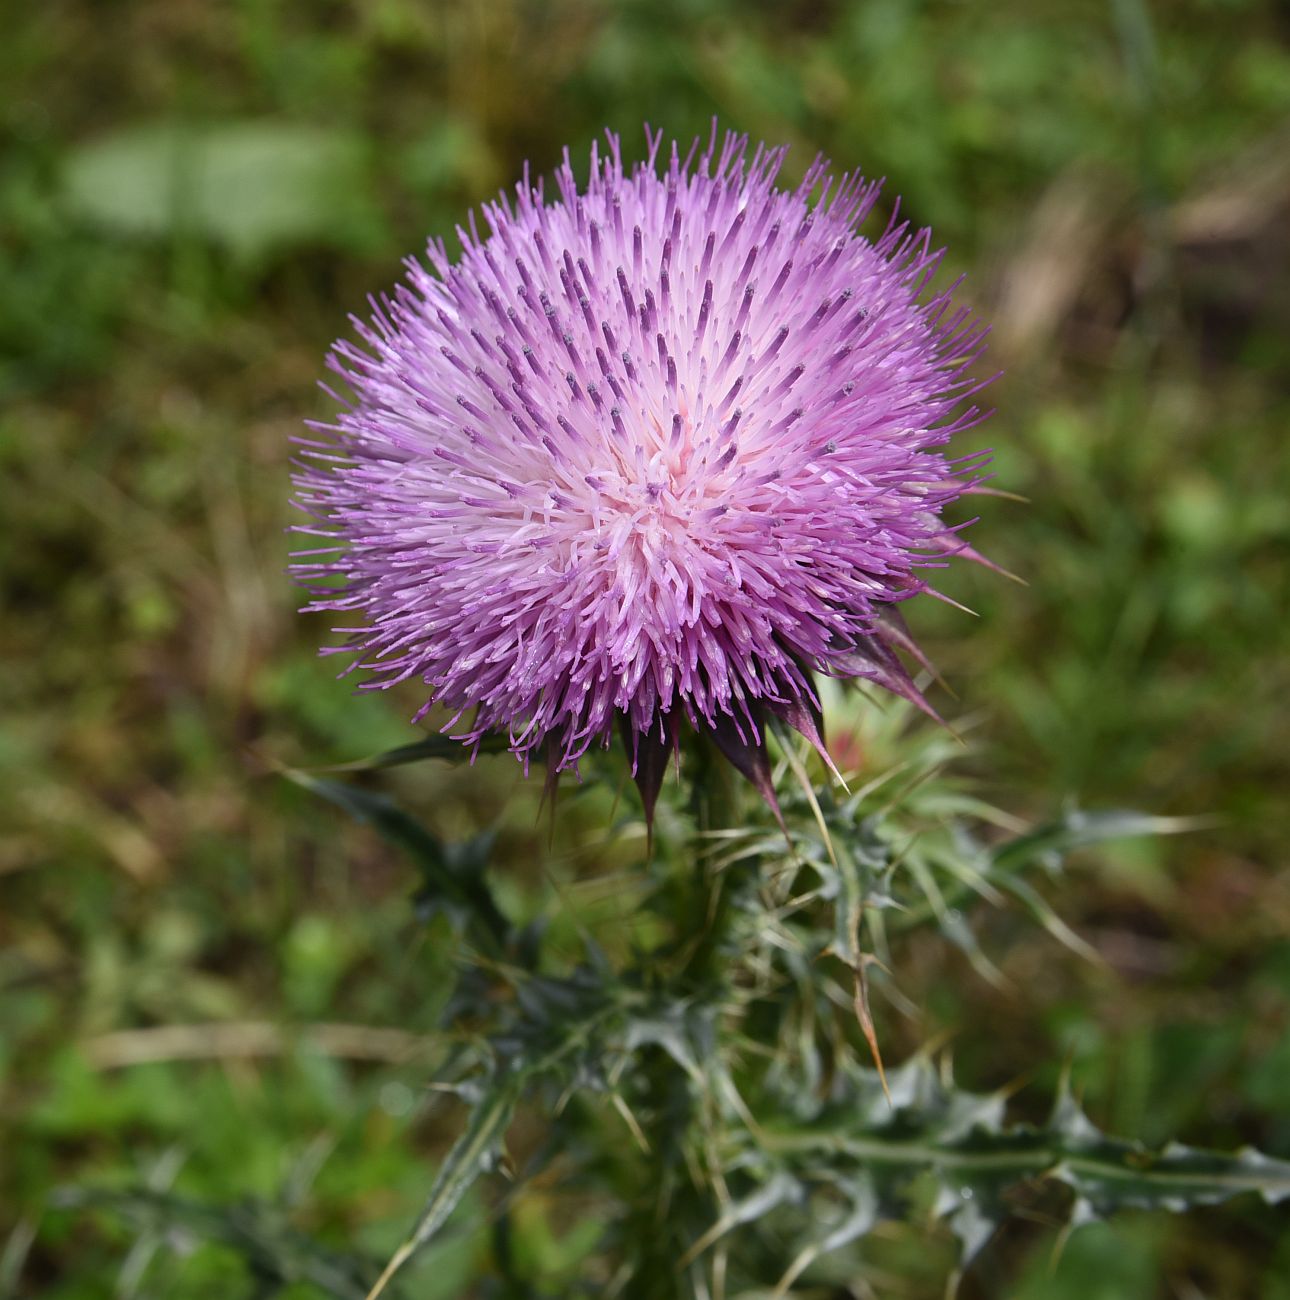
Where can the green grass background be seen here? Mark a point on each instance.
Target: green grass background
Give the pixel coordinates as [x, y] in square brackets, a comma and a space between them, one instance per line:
[194, 194]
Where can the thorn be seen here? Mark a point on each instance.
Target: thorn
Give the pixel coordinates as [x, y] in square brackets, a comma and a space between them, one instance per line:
[649, 752]
[865, 1019]
[633, 1124]
[961, 549]
[807, 719]
[1002, 493]
[857, 961]
[750, 759]
[397, 1260]
[873, 660]
[949, 600]
[1059, 1246]
[803, 780]
[893, 632]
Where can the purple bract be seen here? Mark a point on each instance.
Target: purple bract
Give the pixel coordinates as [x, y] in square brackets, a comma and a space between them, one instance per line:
[656, 450]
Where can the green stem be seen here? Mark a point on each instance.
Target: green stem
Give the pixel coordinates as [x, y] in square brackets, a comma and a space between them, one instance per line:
[1036, 1154]
[717, 804]
[703, 913]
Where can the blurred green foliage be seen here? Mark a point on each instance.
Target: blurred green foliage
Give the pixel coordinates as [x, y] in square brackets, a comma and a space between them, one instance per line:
[192, 196]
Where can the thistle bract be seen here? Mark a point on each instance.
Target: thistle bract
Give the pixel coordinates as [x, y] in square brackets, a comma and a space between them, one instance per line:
[653, 451]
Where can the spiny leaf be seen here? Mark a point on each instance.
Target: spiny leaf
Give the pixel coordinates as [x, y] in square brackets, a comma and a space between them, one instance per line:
[857, 866]
[1043, 912]
[453, 877]
[257, 1231]
[860, 1213]
[778, 1188]
[471, 1154]
[1109, 1173]
[428, 747]
[1046, 845]
[963, 1140]
[1076, 829]
[684, 1034]
[558, 1027]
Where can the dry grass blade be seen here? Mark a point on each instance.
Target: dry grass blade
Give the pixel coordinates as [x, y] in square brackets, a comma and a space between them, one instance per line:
[249, 1039]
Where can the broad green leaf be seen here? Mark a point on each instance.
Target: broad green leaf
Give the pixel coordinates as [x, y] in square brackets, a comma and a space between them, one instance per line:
[250, 186]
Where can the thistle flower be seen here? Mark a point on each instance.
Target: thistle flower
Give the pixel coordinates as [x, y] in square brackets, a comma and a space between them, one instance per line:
[654, 451]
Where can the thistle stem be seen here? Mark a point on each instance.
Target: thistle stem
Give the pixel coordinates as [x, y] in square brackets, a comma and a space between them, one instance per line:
[703, 916]
[717, 806]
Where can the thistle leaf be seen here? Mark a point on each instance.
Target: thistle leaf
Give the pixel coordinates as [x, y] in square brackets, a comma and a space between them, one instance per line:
[452, 875]
[1076, 829]
[777, 1189]
[965, 1143]
[999, 866]
[435, 746]
[257, 1231]
[470, 1156]
[557, 1030]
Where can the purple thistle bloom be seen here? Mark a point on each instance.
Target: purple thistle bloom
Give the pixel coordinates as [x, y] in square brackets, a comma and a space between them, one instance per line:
[656, 450]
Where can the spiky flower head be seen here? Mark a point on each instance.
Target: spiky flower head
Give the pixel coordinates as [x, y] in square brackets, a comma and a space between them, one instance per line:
[655, 450]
